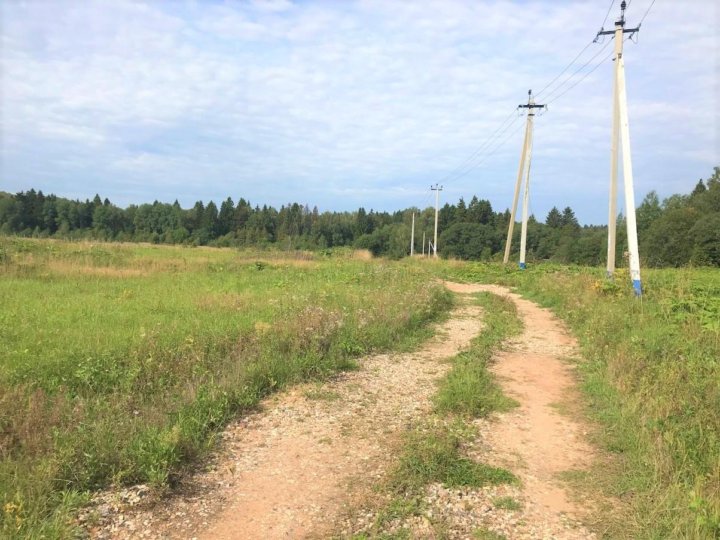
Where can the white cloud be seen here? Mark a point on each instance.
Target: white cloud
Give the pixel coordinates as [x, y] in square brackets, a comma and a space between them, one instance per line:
[275, 101]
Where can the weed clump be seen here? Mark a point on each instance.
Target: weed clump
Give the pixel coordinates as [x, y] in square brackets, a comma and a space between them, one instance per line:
[436, 456]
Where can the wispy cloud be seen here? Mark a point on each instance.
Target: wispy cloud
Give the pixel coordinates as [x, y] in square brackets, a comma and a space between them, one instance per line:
[341, 104]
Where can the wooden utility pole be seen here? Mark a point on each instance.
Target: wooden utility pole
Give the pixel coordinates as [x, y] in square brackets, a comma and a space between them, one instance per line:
[523, 170]
[412, 236]
[621, 130]
[437, 189]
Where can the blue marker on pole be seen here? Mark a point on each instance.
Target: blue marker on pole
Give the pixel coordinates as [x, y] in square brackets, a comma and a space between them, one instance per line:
[637, 287]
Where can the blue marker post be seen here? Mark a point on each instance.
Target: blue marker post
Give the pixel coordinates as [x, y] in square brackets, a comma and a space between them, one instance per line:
[635, 276]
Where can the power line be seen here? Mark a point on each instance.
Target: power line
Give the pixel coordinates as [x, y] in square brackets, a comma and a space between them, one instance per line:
[607, 14]
[491, 153]
[483, 152]
[646, 13]
[586, 75]
[582, 78]
[427, 202]
[481, 156]
[578, 70]
[478, 151]
[565, 69]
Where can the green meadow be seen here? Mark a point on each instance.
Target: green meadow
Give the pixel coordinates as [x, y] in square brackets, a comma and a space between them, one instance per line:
[118, 363]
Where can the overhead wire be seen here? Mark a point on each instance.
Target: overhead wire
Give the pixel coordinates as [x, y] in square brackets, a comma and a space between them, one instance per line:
[578, 70]
[480, 157]
[568, 66]
[581, 79]
[481, 154]
[449, 176]
[491, 152]
[607, 14]
[646, 13]
[537, 95]
[427, 202]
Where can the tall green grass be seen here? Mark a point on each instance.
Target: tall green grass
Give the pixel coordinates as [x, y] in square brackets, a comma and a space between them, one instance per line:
[118, 363]
[652, 381]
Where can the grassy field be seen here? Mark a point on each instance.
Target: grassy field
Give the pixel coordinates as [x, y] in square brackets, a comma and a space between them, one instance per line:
[652, 382]
[118, 363]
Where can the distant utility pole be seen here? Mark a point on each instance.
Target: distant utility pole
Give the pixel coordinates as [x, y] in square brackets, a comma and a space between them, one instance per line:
[437, 189]
[523, 170]
[423, 245]
[412, 237]
[621, 129]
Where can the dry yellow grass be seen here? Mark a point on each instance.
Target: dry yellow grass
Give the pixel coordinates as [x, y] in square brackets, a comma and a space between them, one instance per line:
[280, 262]
[67, 268]
[362, 255]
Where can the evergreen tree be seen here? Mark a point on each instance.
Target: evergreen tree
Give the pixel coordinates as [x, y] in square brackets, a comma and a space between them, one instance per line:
[226, 217]
[554, 219]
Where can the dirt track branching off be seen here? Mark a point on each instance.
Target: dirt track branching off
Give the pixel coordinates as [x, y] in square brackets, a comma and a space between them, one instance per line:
[649, 384]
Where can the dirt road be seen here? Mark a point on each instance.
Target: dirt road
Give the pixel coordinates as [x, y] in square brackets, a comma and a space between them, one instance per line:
[536, 441]
[290, 470]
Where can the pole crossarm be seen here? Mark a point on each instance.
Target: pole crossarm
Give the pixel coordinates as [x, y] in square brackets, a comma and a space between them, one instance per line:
[612, 32]
[620, 23]
[531, 105]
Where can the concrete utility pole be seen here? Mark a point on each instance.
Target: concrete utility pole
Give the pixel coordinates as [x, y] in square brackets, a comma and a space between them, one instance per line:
[437, 189]
[523, 170]
[412, 237]
[423, 244]
[621, 130]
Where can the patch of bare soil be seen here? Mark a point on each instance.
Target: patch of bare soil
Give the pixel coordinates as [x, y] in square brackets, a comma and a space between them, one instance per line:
[536, 441]
[291, 469]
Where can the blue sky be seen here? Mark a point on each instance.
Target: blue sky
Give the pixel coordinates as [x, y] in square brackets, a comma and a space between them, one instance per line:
[344, 104]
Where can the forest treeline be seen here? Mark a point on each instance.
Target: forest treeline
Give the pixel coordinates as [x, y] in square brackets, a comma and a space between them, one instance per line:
[682, 229]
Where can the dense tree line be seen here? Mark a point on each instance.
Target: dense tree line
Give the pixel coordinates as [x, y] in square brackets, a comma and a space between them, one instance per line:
[681, 229]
